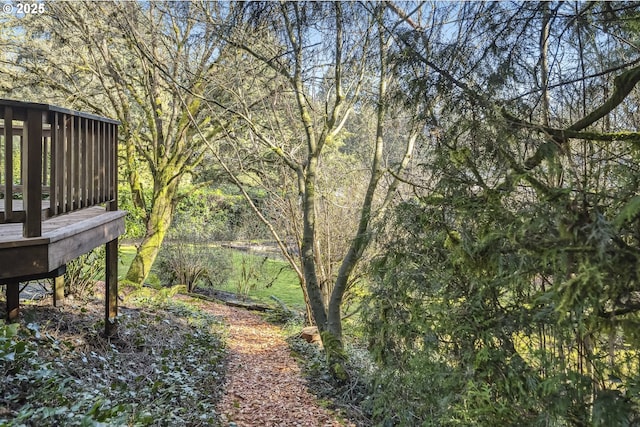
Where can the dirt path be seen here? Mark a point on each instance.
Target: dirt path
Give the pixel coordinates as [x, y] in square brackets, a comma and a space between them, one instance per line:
[264, 385]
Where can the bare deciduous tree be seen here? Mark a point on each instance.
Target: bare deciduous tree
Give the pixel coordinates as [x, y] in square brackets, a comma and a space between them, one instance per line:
[325, 60]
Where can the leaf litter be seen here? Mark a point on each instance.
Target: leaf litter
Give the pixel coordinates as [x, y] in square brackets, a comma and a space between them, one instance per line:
[264, 385]
[165, 366]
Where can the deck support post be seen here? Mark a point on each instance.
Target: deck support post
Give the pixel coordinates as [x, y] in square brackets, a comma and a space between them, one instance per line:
[111, 287]
[58, 291]
[13, 301]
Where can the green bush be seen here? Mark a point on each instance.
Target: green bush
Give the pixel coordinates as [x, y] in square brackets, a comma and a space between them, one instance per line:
[82, 273]
[193, 265]
[134, 221]
[252, 274]
[207, 214]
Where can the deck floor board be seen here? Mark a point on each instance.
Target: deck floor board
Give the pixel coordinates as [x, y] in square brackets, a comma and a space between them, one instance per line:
[64, 238]
[13, 232]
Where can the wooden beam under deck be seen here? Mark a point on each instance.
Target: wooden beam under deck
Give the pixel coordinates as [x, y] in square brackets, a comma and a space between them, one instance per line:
[63, 238]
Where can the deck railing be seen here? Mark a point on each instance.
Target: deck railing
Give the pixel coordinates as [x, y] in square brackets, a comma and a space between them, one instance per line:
[53, 161]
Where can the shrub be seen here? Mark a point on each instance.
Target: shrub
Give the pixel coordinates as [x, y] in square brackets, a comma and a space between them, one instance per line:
[252, 274]
[82, 273]
[193, 265]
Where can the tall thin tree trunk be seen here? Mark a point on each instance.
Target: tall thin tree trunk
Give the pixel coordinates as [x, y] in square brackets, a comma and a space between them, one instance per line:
[308, 247]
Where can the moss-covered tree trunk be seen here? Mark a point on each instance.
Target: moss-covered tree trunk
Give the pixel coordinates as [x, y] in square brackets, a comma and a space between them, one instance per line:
[158, 222]
[330, 329]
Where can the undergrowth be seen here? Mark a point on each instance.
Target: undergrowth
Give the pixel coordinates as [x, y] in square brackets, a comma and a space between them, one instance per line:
[164, 366]
[350, 398]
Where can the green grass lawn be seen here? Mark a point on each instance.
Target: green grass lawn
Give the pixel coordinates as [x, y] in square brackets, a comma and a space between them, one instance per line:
[125, 257]
[274, 277]
[271, 277]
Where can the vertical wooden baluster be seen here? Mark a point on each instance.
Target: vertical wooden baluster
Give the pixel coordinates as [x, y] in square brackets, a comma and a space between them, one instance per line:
[31, 177]
[86, 169]
[68, 163]
[96, 162]
[109, 163]
[53, 182]
[8, 164]
[114, 166]
[45, 159]
[60, 161]
[76, 162]
[103, 143]
[90, 148]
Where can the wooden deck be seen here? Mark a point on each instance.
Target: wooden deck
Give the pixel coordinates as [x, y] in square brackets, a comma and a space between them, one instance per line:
[63, 238]
[58, 197]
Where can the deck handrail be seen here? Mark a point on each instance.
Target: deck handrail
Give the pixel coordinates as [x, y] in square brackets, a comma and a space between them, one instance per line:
[70, 153]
